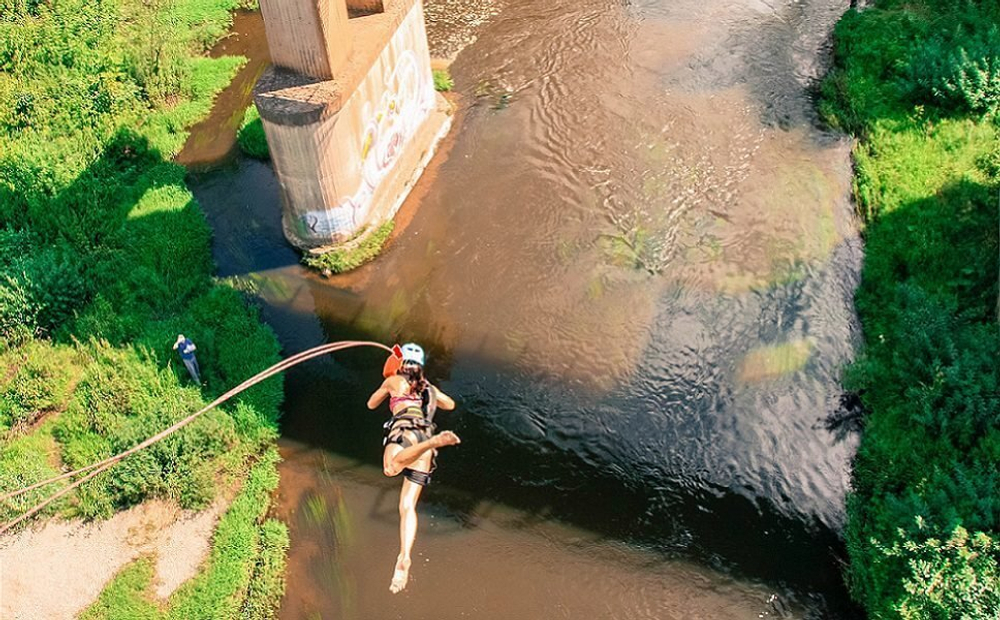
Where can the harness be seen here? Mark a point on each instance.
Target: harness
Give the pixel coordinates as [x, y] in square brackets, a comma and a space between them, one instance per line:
[419, 420]
[410, 419]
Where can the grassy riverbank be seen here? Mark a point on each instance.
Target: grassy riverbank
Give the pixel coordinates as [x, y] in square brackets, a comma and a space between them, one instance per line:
[918, 82]
[104, 258]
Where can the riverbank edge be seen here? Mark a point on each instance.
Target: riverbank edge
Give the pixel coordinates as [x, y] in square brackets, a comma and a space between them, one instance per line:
[246, 535]
[919, 534]
[244, 572]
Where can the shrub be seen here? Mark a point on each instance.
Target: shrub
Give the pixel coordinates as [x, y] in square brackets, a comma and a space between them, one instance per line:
[236, 347]
[18, 312]
[56, 285]
[251, 136]
[42, 379]
[928, 373]
[961, 71]
[120, 401]
[952, 578]
[39, 288]
[156, 53]
[354, 254]
[442, 80]
[989, 163]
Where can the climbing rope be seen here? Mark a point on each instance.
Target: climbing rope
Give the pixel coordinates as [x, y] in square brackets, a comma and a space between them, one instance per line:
[96, 468]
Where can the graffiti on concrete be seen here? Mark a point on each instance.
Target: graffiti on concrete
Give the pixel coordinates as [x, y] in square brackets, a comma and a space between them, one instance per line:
[406, 101]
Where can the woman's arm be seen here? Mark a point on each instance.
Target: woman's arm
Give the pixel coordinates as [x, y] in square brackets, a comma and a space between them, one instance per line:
[378, 396]
[443, 400]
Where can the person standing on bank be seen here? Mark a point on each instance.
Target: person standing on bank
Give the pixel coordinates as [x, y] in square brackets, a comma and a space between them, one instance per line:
[186, 349]
[411, 444]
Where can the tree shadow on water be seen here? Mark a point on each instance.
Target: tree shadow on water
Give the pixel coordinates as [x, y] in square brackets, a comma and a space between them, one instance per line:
[848, 419]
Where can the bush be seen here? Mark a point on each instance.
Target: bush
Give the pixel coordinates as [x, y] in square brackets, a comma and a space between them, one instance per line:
[952, 578]
[120, 401]
[18, 312]
[40, 289]
[354, 254]
[237, 347]
[156, 57]
[961, 72]
[929, 377]
[251, 136]
[442, 80]
[41, 382]
[900, 54]
[925, 471]
[989, 163]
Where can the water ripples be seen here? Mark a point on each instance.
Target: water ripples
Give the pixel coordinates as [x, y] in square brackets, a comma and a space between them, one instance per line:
[639, 261]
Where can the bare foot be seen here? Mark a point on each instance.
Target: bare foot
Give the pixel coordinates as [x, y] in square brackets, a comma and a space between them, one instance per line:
[446, 438]
[400, 576]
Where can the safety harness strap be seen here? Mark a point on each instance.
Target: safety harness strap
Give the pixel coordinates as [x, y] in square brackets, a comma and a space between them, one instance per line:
[417, 477]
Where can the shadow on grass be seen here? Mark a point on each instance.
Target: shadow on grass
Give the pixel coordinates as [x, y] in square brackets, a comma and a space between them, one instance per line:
[946, 244]
[142, 245]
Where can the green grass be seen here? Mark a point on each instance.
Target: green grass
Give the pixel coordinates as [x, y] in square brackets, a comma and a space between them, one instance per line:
[250, 135]
[39, 378]
[219, 592]
[442, 80]
[267, 586]
[342, 260]
[24, 461]
[104, 258]
[244, 577]
[922, 517]
[126, 596]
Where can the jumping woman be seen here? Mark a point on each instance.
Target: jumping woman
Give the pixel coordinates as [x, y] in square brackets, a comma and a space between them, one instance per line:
[410, 444]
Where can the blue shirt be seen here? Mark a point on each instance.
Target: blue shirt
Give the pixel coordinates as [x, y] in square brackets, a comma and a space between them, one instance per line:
[186, 349]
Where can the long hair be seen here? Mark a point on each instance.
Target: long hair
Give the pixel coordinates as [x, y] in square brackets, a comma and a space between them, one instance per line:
[414, 375]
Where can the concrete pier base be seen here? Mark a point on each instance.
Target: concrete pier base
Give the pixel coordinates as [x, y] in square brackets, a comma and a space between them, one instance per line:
[348, 148]
[395, 188]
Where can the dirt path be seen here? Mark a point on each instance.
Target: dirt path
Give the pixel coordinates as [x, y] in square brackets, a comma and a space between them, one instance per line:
[57, 569]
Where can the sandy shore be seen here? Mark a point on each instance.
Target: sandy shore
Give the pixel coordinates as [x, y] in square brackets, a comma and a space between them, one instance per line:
[57, 568]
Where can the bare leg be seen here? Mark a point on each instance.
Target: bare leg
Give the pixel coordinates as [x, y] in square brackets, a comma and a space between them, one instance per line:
[407, 534]
[396, 458]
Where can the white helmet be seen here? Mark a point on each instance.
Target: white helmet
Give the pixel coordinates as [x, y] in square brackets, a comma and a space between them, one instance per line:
[413, 353]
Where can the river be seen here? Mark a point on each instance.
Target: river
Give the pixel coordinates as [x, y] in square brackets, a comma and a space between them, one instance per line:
[633, 265]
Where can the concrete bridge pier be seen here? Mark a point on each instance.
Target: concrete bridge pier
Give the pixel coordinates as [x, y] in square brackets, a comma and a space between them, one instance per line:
[350, 112]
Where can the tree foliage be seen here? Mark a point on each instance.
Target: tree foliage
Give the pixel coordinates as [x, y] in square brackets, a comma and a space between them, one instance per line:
[954, 578]
[917, 82]
[104, 254]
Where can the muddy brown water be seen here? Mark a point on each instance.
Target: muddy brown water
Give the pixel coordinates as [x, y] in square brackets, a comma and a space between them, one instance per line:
[213, 141]
[633, 266]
